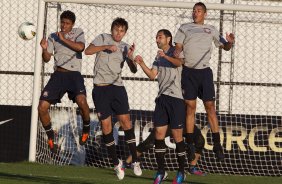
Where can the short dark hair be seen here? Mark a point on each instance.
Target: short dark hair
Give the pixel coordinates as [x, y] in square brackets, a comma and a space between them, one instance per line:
[202, 5]
[68, 15]
[119, 22]
[167, 33]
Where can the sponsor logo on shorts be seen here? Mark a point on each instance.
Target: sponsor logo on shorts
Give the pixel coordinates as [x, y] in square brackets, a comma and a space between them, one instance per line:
[45, 93]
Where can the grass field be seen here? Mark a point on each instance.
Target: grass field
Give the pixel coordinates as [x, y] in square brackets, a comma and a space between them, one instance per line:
[29, 173]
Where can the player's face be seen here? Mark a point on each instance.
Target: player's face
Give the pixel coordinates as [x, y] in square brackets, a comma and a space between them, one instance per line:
[162, 41]
[199, 14]
[118, 33]
[66, 25]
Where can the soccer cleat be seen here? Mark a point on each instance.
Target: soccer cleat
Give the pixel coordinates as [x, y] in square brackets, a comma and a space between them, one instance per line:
[179, 178]
[137, 169]
[159, 177]
[217, 149]
[83, 138]
[190, 149]
[53, 147]
[119, 170]
[196, 171]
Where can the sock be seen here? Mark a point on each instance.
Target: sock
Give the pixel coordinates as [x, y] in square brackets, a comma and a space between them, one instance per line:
[111, 147]
[180, 150]
[131, 142]
[160, 150]
[216, 138]
[86, 126]
[49, 131]
[190, 138]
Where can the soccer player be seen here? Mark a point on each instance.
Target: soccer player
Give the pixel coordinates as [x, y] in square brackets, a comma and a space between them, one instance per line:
[199, 146]
[170, 106]
[195, 40]
[109, 94]
[66, 46]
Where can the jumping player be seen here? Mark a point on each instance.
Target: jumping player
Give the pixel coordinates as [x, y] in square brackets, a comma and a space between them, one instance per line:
[109, 94]
[195, 40]
[66, 46]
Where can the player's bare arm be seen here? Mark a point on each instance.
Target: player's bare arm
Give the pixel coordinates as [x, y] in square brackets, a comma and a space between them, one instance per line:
[132, 65]
[230, 41]
[178, 50]
[76, 46]
[151, 73]
[93, 49]
[175, 61]
[46, 56]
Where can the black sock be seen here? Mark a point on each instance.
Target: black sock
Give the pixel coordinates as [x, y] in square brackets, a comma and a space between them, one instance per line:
[216, 138]
[111, 147]
[131, 142]
[160, 150]
[49, 131]
[86, 127]
[180, 150]
[190, 138]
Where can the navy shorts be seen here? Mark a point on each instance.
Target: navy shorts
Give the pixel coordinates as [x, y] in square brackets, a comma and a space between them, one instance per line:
[169, 111]
[110, 99]
[197, 83]
[60, 83]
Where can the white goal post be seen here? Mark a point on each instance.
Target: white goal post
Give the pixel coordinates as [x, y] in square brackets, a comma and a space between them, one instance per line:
[251, 130]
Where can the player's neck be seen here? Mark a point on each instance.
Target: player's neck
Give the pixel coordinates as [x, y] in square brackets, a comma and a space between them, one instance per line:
[166, 48]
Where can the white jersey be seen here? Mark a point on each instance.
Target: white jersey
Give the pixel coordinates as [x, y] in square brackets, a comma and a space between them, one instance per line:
[197, 43]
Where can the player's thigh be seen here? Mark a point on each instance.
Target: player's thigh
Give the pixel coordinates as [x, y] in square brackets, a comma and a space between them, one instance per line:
[189, 83]
[120, 103]
[176, 112]
[102, 97]
[160, 116]
[54, 89]
[75, 86]
[208, 91]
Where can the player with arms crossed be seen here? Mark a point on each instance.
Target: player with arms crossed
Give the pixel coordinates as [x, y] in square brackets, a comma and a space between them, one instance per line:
[170, 106]
[109, 94]
[195, 40]
[149, 142]
[67, 46]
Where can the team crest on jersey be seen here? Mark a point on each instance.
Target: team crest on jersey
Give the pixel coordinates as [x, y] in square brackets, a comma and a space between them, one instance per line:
[207, 30]
[45, 93]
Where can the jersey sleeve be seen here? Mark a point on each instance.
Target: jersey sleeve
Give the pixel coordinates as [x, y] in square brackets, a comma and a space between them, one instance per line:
[98, 41]
[218, 39]
[50, 41]
[80, 36]
[179, 36]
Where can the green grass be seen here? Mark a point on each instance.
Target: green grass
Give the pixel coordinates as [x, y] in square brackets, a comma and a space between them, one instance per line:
[31, 173]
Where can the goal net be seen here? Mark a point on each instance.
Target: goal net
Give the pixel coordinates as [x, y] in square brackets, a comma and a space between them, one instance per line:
[247, 80]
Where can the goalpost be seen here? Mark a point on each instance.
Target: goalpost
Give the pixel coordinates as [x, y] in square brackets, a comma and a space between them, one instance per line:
[248, 85]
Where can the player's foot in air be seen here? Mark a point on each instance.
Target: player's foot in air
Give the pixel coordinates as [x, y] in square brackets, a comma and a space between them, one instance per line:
[137, 169]
[119, 169]
[190, 149]
[159, 177]
[52, 145]
[83, 138]
[196, 171]
[179, 178]
[217, 149]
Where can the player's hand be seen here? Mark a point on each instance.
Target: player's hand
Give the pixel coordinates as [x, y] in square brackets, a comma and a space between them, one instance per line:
[138, 59]
[161, 53]
[112, 48]
[230, 38]
[61, 35]
[131, 51]
[44, 44]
